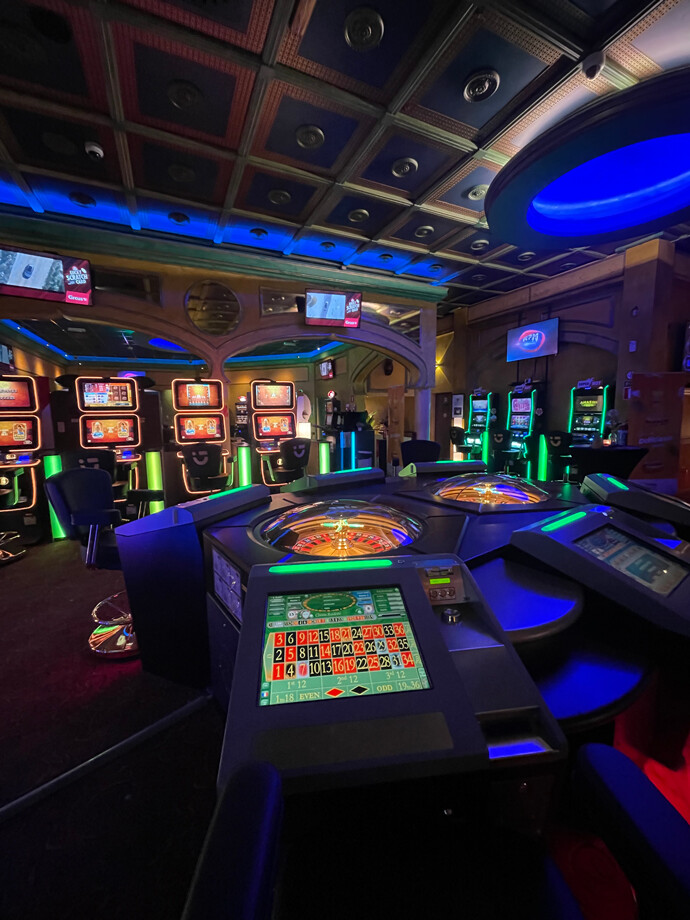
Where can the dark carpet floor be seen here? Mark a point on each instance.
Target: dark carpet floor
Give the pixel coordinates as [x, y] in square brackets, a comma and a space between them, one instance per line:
[122, 840]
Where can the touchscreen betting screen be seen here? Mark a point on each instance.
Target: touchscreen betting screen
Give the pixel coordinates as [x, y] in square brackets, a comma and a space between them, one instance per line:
[17, 432]
[634, 559]
[15, 394]
[337, 644]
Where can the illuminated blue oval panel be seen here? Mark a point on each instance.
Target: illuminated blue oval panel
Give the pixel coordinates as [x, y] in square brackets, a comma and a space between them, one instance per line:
[619, 189]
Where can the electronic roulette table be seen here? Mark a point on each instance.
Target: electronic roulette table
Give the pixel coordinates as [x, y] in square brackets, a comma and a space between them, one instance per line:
[495, 505]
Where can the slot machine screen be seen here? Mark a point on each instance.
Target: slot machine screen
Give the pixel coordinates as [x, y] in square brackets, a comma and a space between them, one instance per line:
[338, 644]
[197, 394]
[18, 432]
[16, 394]
[589, 403]
[104, 431]
[199, 428]
[480, 405]
[333, 308]
[634, 559]
[96, 395]
[521, 405]
[273, 426]
[520, 421]
[273, 395]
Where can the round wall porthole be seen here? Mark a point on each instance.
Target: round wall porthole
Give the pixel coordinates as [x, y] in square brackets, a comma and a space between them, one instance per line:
[212, 308]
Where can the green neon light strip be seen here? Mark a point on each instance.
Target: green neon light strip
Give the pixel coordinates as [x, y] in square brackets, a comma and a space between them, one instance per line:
[229, 492]
[244, 465]
[617, 483]
[361, 469]
[53, 464]
[572, 409]
[604, 409]
[307, 568]
[324, 457]
[510, 403]
[485, 447]
[564, 521]
[543, 464]
[154, 476]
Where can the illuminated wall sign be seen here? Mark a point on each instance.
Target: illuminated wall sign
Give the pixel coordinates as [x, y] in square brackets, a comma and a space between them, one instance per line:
[45, 277]
[533, 341]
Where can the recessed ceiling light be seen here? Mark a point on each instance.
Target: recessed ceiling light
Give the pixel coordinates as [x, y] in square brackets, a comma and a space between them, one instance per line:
[481, 86]
[82, 199]
[358, 216]
[477, 192]
[363, 29]
[436, 267]
[327, 245]
[182, 174]
[183, 94]
[424, 231]
[259, 232]
[178, 217]
[479, 245]
[279, 196]
[477, 278]
[311, 137]
[385, 257]
[568, 265]
[526, 256]
[405, 166]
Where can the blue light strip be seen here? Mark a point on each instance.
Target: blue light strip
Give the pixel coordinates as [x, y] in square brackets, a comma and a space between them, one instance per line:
[96, 359]
[302, 356]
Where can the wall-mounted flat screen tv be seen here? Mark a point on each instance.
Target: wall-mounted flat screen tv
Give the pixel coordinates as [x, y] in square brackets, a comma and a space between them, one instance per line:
[333, 308]
[326, 370]
[533, 341]
[44, 277]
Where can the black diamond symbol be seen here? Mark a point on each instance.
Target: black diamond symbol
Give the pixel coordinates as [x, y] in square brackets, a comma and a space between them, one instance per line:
[360, 689]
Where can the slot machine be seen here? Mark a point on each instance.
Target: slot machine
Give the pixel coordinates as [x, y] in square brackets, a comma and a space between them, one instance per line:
[20, 461]
[242, 419]
[483, 408]
[273, 420]
[589, 402]
[110, 414]
[199, 406]
[522, 409]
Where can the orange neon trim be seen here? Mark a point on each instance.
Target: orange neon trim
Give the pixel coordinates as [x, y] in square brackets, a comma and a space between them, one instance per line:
[187, 409]
[100, 410]
[273, 383]
[32, 384]
[109, 445]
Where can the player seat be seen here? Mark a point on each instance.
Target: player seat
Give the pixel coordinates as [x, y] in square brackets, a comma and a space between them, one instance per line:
[501, 455]
[203, 464]
[9, 498]
[457, 439]
[419, 451]
[648, 837]
[82, 500]
[558, 454]
[294, 456]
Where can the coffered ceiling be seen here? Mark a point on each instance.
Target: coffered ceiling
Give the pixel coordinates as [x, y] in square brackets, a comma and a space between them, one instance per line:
[328, 132]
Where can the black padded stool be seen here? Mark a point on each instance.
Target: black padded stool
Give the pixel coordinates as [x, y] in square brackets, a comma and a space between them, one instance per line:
[203, 465]
[82, 500]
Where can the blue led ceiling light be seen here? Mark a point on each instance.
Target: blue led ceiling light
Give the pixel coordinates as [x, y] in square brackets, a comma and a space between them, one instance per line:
[166, 344]
[617, 168]
[616, 190]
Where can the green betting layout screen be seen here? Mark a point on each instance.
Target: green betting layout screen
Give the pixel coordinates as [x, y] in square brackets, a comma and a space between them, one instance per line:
[337, 644]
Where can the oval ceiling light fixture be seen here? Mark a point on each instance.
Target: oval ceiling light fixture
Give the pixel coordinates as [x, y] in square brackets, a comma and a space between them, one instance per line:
[617, 168]
[183, 95]
[258, 232]
[481, 85]
[279, 196]
[479, 245]
[363, 29]
[327, 245]
[358, 216]
[310, 137]
[424, 232]
[178, 217]
[405, 166]
[82, 199]
[180, 173]
[478, 192]
[385, 257]
[526, 256]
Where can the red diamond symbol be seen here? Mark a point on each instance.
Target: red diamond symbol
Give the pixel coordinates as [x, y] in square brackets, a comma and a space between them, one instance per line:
[334, 691]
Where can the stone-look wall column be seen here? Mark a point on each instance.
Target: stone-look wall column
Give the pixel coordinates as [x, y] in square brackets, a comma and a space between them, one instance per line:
[422, 400]
[422, 412]
[645, 313]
